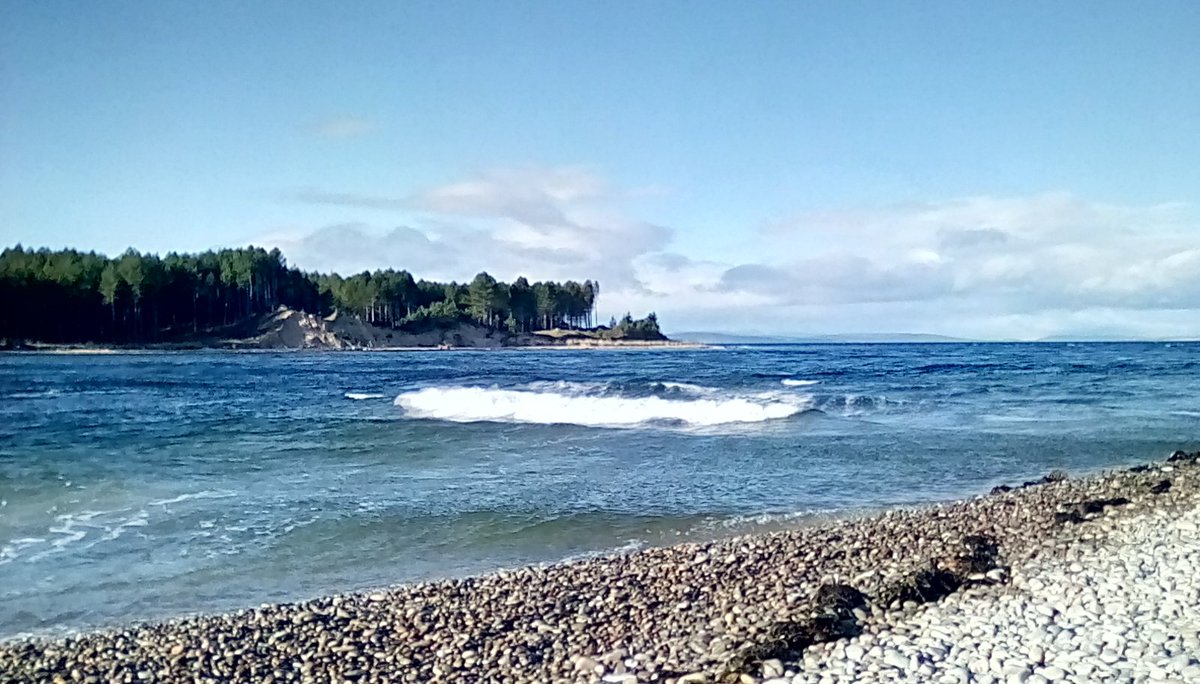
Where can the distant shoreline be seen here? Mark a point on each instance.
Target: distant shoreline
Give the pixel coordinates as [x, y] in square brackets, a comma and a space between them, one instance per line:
[84, 350]
[293, 330]
[247, 346]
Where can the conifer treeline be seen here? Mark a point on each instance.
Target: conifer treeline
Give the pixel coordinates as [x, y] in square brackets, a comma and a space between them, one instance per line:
[67, 296]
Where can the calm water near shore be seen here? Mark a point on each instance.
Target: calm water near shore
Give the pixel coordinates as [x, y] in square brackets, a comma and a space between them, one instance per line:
[138, 486]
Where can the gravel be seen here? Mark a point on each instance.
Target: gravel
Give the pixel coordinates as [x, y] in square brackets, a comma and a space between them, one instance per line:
[1119, 604]
[1101, 587]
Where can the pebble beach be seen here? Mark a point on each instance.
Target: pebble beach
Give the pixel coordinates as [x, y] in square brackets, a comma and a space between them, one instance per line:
[1058, 579]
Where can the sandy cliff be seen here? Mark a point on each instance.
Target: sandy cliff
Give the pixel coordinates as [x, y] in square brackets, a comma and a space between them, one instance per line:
[291, 329]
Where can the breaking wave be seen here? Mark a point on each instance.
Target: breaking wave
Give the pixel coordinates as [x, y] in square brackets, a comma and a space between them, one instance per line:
[359, 396]
[664, 388]
[854, 405]
[479, 404]
[685, 387]
[759, 521]
[788, 382]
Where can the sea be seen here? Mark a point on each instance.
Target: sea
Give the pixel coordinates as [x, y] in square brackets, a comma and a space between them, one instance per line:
[143, 486]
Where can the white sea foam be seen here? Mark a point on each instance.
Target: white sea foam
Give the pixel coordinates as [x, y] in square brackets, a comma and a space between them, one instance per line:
[566, 387]
[140, 519]
[799, 383]
[477, 404]
[741, 524]
[754, 520]
[687, 387]
[34, 394]
[70, 530]
[10, 551]
[202, 494]
[79, 530]
[359, 396]
[630, 546]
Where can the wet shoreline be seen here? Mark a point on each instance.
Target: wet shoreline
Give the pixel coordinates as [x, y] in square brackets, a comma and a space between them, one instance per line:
[689, 612]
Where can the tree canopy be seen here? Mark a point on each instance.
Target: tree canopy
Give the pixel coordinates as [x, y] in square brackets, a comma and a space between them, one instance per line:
[629, 329]
[68, 296]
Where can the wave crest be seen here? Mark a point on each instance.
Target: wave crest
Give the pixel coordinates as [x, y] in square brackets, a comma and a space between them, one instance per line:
[478, 404]
[788, 382]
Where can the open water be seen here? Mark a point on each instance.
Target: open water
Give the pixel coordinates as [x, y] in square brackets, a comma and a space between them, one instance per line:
[149, 485]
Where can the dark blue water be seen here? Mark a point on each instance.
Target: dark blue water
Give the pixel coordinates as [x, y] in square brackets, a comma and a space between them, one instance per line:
[148, 485]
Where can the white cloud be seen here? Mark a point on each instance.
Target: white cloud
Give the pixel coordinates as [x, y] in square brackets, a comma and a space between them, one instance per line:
[1006, 256]
[1006, 267]
[349, 248]
[533, 196]
[559, 223]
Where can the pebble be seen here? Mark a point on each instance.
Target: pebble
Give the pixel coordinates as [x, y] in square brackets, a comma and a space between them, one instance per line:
[895, 659]
[1096, 609]
[772, 669]
[1064, 592]
[1053, 674]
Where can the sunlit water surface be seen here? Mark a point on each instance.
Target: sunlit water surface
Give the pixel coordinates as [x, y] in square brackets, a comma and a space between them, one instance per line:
[140, 486]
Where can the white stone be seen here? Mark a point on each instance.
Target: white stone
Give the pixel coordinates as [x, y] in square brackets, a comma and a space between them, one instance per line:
[959, 674]
[895, 659]
[1116, 605]
[772, 669]
[1053, 674]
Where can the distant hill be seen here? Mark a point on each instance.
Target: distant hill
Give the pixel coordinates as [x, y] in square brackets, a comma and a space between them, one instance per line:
[1101, 337]
[888, 337]
[727, 338]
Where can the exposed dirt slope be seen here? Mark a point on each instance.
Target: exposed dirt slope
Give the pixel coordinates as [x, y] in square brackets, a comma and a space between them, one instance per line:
[291, 329]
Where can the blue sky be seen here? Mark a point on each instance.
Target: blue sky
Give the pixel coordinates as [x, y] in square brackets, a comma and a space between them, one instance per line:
[986, 170]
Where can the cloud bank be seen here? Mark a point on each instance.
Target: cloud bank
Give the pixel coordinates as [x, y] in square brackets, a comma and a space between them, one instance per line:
[1020, 267]
[560, 223]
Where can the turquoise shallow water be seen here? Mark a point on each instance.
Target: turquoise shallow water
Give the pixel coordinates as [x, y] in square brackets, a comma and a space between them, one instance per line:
[141, 486]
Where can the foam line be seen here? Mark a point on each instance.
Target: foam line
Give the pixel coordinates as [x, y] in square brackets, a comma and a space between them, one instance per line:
[477, 404]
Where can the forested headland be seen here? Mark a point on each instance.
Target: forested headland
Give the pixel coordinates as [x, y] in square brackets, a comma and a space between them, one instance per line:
[69, 297]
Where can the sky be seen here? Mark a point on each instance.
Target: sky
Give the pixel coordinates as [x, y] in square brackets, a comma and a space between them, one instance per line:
[1010, 170]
